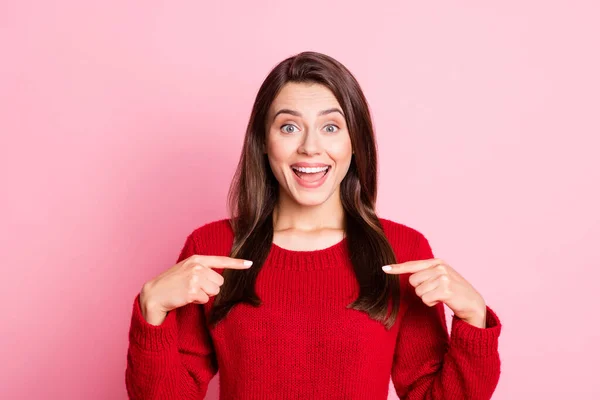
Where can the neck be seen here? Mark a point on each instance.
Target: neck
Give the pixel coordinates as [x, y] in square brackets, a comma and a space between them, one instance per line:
[288, 214]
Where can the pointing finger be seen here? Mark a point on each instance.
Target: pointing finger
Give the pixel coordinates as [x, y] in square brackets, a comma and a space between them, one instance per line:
[411, 266]
[224, 262]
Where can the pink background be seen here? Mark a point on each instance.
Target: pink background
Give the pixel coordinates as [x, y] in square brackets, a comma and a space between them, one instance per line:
[121, 125]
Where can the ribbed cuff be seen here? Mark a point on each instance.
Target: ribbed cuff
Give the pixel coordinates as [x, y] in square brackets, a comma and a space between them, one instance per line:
[151, 337]
[478, 341]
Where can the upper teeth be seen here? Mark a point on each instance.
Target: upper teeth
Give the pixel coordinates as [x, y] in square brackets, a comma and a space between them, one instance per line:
[308, 170]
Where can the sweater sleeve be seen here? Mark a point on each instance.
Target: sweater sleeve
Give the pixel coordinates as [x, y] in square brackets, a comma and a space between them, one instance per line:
[174, 360]
[429, 364]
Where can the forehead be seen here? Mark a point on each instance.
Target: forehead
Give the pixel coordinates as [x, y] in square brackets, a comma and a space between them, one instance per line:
[309, 98]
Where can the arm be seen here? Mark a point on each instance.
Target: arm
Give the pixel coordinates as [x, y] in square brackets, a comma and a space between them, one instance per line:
[175, 359]
[428, 364]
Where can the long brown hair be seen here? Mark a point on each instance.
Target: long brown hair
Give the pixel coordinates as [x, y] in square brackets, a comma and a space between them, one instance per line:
[254, 193]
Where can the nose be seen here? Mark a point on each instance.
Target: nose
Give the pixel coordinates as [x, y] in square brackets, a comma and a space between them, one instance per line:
[311, 143]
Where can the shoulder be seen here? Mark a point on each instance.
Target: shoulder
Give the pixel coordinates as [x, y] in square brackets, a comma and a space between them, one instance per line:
[399, 231]
[213, 238]
[407, 242]
[218, 226]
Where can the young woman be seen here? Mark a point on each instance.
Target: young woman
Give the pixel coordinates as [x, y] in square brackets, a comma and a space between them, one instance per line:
[336, 300]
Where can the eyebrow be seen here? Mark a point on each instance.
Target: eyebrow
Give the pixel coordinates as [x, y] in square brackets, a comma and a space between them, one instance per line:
[297, 114]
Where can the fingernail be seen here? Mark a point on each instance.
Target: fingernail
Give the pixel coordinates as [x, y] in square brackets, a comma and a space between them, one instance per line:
[247, 263]
[386, 268]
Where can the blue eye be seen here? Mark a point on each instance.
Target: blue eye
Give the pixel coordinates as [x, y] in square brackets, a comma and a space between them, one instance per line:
[331, 126]
[285, 129]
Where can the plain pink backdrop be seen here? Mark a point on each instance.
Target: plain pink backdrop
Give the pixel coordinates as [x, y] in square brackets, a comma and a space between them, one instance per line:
[121, 124]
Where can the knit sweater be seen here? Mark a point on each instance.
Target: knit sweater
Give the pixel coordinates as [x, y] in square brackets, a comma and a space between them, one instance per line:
[302, 342]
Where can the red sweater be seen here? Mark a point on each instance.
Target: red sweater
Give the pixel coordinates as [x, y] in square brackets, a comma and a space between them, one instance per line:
[303, 343]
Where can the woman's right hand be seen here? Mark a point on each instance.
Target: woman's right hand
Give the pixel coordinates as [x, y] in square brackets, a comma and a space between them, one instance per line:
[190, 281]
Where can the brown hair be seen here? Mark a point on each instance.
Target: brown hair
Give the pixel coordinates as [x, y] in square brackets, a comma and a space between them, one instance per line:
[254, 192]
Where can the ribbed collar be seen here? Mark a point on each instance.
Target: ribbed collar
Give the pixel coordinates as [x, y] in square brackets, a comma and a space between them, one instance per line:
[299, 260]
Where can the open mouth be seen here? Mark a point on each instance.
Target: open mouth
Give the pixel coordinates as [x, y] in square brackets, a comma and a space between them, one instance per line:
[311, 174]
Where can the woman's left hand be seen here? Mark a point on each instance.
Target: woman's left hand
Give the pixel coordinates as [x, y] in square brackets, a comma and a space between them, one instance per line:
[435, 281]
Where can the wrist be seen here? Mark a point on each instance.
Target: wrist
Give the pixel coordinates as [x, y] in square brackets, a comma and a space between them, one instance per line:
[477, 319]
[149, 308]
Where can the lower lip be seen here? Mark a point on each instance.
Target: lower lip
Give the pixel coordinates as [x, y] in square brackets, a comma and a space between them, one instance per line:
[311, 185]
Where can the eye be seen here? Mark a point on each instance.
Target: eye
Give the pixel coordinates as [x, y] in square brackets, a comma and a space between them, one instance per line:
[331, 128]
[286, 128]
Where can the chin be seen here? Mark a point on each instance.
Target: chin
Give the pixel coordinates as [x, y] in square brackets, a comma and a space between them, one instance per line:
[311, 199]
[309, 203]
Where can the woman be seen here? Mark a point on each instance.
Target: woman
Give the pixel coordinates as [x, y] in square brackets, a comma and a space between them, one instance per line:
[336, 300]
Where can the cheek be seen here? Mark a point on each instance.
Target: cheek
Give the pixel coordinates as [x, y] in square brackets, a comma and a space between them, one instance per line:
[275, 151]
[280, 149]
[341, 150]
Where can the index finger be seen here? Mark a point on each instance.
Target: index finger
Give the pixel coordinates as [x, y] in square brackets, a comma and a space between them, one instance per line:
[411, 266]
[224, 262]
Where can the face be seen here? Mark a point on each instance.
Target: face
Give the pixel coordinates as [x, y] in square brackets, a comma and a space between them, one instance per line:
[308, 144]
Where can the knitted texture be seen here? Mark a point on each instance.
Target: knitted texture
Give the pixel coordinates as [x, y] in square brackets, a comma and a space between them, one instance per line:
[302, 342]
